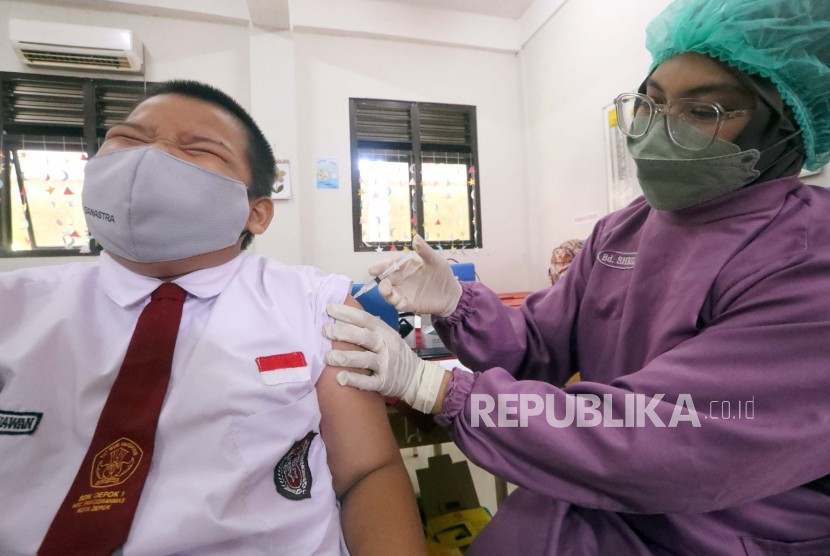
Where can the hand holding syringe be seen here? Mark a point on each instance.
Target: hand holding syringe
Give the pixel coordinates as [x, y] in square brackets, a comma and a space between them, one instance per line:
[424, 284]
[386, 274]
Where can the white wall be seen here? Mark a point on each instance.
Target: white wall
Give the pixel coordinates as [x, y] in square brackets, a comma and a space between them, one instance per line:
[297, 87]
[273, 106]
[414, 23]
[174, 48]
[331, 69]
[586, 54]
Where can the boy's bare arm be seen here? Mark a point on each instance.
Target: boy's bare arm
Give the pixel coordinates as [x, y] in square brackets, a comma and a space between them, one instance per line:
[378, 510]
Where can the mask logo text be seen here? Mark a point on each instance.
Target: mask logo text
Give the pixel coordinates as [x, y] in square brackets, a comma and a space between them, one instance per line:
[98, 214]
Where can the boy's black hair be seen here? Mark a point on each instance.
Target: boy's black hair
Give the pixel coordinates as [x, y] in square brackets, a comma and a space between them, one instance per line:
[261, 159]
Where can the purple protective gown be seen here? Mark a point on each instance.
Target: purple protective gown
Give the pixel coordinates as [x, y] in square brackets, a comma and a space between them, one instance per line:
[725, 301]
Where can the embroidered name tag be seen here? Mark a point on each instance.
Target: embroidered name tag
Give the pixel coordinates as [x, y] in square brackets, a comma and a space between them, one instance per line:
[292, 475]
[617, 259]
[283, 367]
[13, 422]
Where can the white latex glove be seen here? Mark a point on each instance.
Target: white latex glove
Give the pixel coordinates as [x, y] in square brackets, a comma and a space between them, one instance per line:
[396, 370]
[424, 284]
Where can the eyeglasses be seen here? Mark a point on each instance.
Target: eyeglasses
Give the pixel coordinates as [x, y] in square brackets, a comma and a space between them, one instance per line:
[705, 120]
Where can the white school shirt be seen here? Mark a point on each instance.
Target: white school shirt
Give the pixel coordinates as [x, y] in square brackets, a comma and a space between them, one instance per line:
[212, 486]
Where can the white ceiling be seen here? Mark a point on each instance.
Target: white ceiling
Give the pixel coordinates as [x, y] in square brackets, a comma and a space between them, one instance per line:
[512, 9]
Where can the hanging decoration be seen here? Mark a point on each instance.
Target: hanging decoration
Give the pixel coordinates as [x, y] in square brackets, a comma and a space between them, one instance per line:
[281, 188]
[328, 175]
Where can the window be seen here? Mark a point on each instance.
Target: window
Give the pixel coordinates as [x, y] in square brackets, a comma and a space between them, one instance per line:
[49, 127]
[414, 170]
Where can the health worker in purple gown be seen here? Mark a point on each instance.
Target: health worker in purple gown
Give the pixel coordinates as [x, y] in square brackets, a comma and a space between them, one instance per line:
[698, 317]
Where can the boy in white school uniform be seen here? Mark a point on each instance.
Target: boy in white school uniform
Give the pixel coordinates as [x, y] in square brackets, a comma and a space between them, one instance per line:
[172, 398]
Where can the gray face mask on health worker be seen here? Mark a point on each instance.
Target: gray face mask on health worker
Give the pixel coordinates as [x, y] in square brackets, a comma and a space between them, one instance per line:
[674, 178]
[148, 206]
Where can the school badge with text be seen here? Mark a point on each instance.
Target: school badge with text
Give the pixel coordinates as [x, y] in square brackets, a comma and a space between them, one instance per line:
[292, 476]
[115, 464]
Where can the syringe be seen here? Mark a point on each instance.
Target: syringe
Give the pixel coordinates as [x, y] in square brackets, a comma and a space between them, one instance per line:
[386, 274]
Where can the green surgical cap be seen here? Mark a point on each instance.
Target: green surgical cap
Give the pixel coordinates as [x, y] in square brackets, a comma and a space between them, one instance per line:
[786, 41]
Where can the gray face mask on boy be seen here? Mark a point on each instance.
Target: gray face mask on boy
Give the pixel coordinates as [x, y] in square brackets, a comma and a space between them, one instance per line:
[148, 206]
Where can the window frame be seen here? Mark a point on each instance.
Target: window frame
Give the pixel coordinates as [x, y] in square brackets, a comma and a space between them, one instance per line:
[416, 147]
[12, 138]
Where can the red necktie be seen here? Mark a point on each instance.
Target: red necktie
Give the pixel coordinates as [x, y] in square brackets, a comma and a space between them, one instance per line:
[96, 516]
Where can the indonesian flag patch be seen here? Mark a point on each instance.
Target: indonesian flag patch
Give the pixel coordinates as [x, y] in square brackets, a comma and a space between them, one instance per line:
[284, 367]
[292, 476]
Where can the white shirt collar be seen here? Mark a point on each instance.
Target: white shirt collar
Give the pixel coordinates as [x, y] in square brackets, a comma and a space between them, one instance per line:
[125, 287]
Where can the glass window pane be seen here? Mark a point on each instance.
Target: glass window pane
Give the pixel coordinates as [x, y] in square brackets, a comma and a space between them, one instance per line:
[54, 181]
[446, 197]
[386, 210]
[20, 225]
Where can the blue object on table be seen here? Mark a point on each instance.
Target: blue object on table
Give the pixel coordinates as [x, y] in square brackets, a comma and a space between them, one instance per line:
[465, 272]
[374, 304]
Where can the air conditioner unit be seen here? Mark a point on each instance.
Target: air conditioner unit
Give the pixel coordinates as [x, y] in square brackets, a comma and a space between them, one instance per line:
[63, 45]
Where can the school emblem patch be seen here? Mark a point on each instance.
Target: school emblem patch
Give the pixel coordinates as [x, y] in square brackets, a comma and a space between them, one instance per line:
[115, 464]
[292, 475]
